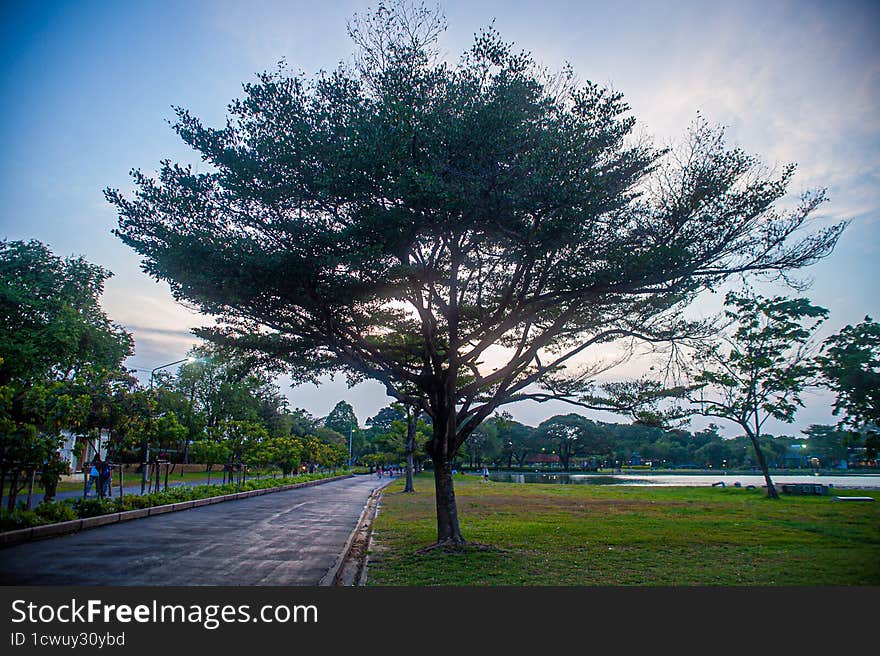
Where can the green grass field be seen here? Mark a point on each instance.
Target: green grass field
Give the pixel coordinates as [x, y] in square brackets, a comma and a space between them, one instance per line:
[527, 534]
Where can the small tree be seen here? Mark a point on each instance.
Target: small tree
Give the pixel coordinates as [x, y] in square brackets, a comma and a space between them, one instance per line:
[402, 439]
[760, 370]
[210, 453]
[285, 452]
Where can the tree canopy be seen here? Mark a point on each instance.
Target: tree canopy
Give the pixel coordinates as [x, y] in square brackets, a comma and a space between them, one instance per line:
[851, 365]
[52, 325]
[400, 217]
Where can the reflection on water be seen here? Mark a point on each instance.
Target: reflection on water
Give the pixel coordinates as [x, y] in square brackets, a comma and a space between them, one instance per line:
[862, 482]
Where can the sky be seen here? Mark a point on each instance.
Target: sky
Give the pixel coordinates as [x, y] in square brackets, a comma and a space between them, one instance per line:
[87, 90]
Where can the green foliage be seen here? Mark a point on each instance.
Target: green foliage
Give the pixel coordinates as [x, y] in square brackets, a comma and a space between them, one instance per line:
[51, 512]
[850, 364]
[340, 210]
[18, 518]
[93, 506]
[60, 359]
[570, 436]
[51, 323]
[57, 511]
[342, 418]
[284, 452]
[764, 366]
[210, 452]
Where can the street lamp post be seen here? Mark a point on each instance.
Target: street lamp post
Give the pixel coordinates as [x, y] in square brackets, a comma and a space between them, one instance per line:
[147, 453]
[350, 433]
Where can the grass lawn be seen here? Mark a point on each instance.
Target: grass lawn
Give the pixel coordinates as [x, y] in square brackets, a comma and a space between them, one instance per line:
[614, 535]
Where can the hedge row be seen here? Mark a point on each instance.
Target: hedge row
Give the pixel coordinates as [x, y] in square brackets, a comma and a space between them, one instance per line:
[82, 508]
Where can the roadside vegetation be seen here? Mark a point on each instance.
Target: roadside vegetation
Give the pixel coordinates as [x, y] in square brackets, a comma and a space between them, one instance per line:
[81, 508]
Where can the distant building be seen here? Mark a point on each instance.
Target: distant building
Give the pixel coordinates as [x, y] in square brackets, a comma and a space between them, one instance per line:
[68, 449]
[543, 459]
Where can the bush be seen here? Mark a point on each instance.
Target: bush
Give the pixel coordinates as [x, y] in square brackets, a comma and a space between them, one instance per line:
[54, 511]
[92, 507]
[69, 509]
[17, 519]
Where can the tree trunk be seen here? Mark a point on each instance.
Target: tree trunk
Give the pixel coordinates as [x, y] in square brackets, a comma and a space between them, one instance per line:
[13, 490]
[442, 448]
[762, 463]
[31, 487]
[409, 473]
[448, 531]
[564, 460]
[411, 419]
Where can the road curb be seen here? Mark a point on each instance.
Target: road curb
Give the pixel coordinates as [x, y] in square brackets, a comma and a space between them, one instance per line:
[12, 538]
[333, 576]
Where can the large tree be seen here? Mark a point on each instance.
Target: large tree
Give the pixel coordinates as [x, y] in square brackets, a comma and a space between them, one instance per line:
[463, 230]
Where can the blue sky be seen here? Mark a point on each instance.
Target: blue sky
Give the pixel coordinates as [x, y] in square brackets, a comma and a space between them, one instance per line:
[87, 89]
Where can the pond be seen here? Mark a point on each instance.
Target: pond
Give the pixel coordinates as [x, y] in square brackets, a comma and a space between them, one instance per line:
[843, 481]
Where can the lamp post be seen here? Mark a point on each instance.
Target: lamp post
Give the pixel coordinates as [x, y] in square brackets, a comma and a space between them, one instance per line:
[147, 453]
[350, 433]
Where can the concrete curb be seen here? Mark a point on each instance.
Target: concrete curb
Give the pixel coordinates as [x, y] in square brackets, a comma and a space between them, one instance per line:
[11, 538]
[362, 574]
[332, 576]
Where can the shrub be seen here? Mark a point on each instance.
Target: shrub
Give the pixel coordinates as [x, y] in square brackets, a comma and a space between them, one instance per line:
[92, 507]
[69, 509]
[55, 511]
[12, 520]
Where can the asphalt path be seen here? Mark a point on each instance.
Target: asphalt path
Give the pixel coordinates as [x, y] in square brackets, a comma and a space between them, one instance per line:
[284, 538]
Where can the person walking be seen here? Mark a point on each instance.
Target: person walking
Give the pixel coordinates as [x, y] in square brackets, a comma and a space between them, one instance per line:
[92, 477]
[105, 479]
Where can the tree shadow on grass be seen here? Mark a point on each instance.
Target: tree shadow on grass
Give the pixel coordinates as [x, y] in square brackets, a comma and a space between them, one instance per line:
[459, 548]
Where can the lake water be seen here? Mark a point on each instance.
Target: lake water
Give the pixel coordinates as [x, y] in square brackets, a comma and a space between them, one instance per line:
[855, 481]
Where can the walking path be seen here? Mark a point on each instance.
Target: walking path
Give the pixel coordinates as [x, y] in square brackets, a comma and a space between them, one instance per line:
[129, 489]
[284, 538]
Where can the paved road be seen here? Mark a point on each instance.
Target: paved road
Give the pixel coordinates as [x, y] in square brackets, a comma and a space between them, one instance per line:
[283, 538]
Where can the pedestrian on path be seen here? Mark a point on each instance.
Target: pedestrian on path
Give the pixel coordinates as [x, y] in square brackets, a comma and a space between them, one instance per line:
[92, 477]
[106, 476]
